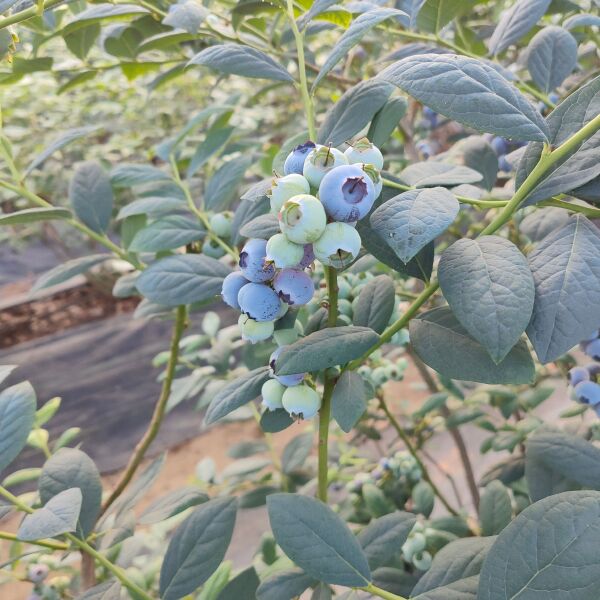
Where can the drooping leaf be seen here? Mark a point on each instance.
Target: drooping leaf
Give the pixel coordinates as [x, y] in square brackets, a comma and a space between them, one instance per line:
[32, 215]
[98, 12]
[566, 273]
[495, 510]
[386, 120]
[182, 279]
[241, 587]
[353, 111]
[581, 20]
[349, 400]
[127, 175]
[437, 330]
[235, 59]
[375, 303]
[69, 269]
[546, 551]
[17, 415]
[222, 186]
[470, 92]
[197, 548]
[167, 233]
[543, 221]
[296, 452]
[462, 589]
[152, 207]
[235, 394]
[551, 56]
[409, 221]
[285, 585]
[214, 141]
[274, 421]
[324, 349]
[172, 504]
[488, 284]
[91, 196]
[317, 540]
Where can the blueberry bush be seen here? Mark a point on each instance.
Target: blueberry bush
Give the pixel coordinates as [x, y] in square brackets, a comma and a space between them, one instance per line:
[367, 187]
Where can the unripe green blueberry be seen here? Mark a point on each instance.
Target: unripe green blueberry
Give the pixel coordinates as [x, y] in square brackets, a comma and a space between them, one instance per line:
[344, 289]
[37, 573]
[319, 161]
[375, 177]
[393, 372]
[415, 544]
[302, 219]
[253, 331]
[272, 393]
[285, 188]
[422, 561]
[212, 249]
[301, 401]
[345, 319]
[283, 253]
[345, 307]
[379, 375]
[338, 246]
[285, 337]
[364, 151]
[220, 224]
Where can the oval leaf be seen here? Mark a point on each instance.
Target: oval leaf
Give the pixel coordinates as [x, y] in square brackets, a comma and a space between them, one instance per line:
[32, 215]
[91, 196]
[17, 415]
[375, 304]
[349, 400]
[167, 234]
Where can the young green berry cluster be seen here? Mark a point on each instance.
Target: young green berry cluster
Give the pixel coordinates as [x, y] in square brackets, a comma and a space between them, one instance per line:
[585, 381]
[400, 468]
[221, 225]
[414, 550]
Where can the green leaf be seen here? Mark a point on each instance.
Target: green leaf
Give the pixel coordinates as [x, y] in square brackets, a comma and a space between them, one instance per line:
[66, 138]
[67, 270]
[353, 111]
[129, 175]
[543, 221]
[516, 22]
[463, 589]
[475, 152]
[431, 174]
[470, 92]
[383, 538]
[99, 12]
[507, 471]
[59, 515]
[167, 233]
[285, 585]
[235, 59]
[32, 215]
[91, 196]
[72, 468]
[436, 14]
[352, 36]
[241, 587]
[80, 41]
[349, 400]
[317, 540]
[434, 332]
[23, 66]
[215, 140]
[375, 304]
[109, 590]
[238, 392]
[152, 206]
[489, 287]
[197, 548]
[222, 186]
[547, 551]
[274, 421]
[325, 348]
[551, 56]
[288, 145]
[386, 120]
[263, 227]
[187, 15]
[409, 221]
[423, 498]
[455, 561]
[182, 279]
[17, 415]
[565, 311]
[172, 504]
[296, 452]
[495, 510]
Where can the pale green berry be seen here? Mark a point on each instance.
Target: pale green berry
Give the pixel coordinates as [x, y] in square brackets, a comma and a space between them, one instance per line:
[379, 375]
[212, 249]
[272, 393]
[415, 544]
[285, 337]
[220, 224]
[393, 372]
[338, 246]
[364, 151]
[321, 160]
[345, 319]
[302, 219]
[373, 172]
[344, 289]
[285, 188]
[283, 308]
[422, 561]
[254, 331]
[345, 307]
[301, 401]
[283, 253]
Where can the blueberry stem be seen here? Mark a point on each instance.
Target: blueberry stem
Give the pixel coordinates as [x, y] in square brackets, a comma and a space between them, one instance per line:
[376, 591]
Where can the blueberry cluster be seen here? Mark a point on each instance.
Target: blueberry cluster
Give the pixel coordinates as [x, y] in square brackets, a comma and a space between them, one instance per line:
[585, 381]
[318, 200]
[399, 467]
[221, 226]
[414, 549]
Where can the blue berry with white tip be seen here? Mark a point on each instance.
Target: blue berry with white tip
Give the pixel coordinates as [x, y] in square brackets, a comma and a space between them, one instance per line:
[259, 302]
[503, 164]
[587, 392]
[287, 380]
[430, 115]
[347, 193]
[294, 162]
[232, 284]
[253, 263]
[294, 287]
[577, 375]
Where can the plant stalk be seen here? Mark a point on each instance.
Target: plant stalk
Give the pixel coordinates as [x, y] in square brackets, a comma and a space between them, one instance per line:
[376, 591]
[28, 13]
[11, 537]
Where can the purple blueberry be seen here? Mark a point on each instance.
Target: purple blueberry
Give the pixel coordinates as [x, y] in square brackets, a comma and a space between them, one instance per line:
[430, 115]
[287, 380]
[253, 261]
[592, 349]
[577, 375]
[594, 371]
[499, 145]
[424, 148]
[294, 287]
[347, 193]
[232, 284]
[259, 302]
[503, 164]
[294, 163]
[554, 98]
[587, 392]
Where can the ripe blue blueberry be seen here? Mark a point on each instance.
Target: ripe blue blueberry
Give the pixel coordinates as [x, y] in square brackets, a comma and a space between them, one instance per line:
[294, 163]
[430, 115]
[232, 284]
[503, 164]
[338, 246]
[321, 160]
[364, 152]
[592, 349]
[424, 148]
[594, 372]
[301, 402]
[347, 193]
[253, 331]
[220, 224]
[302, 219]
[577, 375]
[554, 98]
[272, 393]
[499, 145]
[259, 302]
[287, 380]
[283, 253]
[253, 261]
[212, 249]
[294, 287]
[587, 392]
[285, 188]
